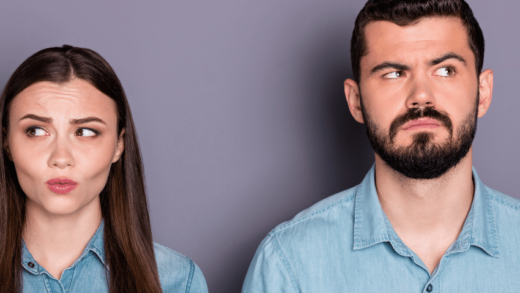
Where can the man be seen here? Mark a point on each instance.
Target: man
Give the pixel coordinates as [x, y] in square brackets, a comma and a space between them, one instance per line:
[421, 221]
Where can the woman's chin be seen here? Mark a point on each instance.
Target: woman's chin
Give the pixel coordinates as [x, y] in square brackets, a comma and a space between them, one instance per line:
[61, 206]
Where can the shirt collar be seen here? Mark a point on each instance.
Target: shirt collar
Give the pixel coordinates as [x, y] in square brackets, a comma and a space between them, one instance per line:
[95, 244]
[371, 226]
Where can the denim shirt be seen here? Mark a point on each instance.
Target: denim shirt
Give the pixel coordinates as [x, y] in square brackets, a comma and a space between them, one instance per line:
[177, 273]
[345, 243]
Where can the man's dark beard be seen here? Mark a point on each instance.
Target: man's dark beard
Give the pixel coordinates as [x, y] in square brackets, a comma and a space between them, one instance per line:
[423, 159]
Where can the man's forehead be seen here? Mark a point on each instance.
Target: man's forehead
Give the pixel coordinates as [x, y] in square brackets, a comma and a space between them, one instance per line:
[419, 41]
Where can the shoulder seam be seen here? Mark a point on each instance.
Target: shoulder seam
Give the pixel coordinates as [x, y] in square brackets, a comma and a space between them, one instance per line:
[285, 263]
[502, 202]
[190, 277]
[171, 251]
[318, 212]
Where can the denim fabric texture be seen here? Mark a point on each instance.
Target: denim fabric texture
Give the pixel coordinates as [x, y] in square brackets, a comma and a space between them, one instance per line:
[345, 243]
[177, 273]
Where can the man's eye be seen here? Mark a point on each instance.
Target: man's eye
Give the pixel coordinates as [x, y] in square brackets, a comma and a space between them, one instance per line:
[393, 74]
[85, 132]
[36, 131]
[445, 71]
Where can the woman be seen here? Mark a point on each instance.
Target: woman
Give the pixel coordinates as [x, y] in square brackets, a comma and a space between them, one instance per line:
[73, 209]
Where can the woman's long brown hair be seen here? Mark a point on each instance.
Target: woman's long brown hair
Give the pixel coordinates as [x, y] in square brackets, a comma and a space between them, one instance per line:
[130, 262]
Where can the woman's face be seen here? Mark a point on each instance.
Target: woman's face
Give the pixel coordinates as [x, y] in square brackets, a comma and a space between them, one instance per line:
[63, 140]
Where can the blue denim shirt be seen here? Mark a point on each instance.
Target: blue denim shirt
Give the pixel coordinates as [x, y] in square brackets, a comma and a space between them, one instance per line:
[345, 243]
[177, 273]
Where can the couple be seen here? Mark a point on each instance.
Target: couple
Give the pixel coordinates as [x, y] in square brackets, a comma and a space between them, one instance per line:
[73, 207]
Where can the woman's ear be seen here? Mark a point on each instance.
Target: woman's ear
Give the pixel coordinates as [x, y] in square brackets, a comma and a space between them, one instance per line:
[6, 144]
[120, 146]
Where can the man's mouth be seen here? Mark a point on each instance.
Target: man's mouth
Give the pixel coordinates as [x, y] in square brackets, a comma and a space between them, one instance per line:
[422, 123]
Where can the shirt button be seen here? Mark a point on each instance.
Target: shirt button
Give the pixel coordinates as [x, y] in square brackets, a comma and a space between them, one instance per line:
[31, 265]
[429, 288]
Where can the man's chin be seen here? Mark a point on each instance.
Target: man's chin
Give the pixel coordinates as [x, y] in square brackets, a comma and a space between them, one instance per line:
[426, 137]
[423, 161]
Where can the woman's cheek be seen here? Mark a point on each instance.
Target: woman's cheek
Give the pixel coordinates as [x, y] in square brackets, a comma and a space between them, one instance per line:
[95, 165]
[31, 171]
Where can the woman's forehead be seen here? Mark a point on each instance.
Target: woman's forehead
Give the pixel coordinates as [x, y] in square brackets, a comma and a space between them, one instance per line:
[74, 98]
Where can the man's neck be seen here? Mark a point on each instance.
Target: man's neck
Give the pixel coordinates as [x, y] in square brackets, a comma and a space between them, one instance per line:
[427, 215]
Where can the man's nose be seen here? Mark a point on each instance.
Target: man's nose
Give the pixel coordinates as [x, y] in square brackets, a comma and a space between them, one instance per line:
[421, 94]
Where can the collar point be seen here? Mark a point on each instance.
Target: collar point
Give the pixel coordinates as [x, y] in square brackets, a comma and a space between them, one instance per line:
[361, 244]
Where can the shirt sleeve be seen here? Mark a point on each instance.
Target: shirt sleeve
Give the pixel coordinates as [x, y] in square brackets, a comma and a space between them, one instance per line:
[270, 271]
[198, 283]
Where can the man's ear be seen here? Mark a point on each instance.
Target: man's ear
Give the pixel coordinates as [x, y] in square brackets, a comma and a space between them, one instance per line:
[120, 146]
[485, 89]
[353, 99]
[6, 144]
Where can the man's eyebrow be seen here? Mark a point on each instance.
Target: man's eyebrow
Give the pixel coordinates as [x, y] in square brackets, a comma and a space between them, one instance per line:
[445, 57]
[392, 65]
[36, 117]
[86, 120]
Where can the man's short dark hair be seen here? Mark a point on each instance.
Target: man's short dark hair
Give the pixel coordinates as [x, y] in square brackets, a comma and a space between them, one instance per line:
[405, 12]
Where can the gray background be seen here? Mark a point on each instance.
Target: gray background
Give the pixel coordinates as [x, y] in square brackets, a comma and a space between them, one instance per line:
[240, 110]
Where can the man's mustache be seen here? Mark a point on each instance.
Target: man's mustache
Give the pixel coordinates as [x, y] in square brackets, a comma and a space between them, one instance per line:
[416, 113]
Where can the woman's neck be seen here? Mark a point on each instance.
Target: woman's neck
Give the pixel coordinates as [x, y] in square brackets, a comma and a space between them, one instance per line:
[56, 241]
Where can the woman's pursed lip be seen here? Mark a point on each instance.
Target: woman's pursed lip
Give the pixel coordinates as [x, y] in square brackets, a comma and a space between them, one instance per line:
[61, 181]
[61, 185]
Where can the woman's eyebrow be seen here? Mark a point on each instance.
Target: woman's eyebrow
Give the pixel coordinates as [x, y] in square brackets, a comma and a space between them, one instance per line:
[72, 121]
[36, 117]
[86, 120]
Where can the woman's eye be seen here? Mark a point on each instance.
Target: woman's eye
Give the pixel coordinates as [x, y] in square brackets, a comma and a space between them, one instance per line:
[36, 132]
[85, 132]
[445, 71]
[393, 74]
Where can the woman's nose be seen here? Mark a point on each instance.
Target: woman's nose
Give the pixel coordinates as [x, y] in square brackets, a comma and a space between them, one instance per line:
[61, 155]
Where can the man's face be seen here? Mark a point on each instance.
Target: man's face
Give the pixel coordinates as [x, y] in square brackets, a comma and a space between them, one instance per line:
[419, 89]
